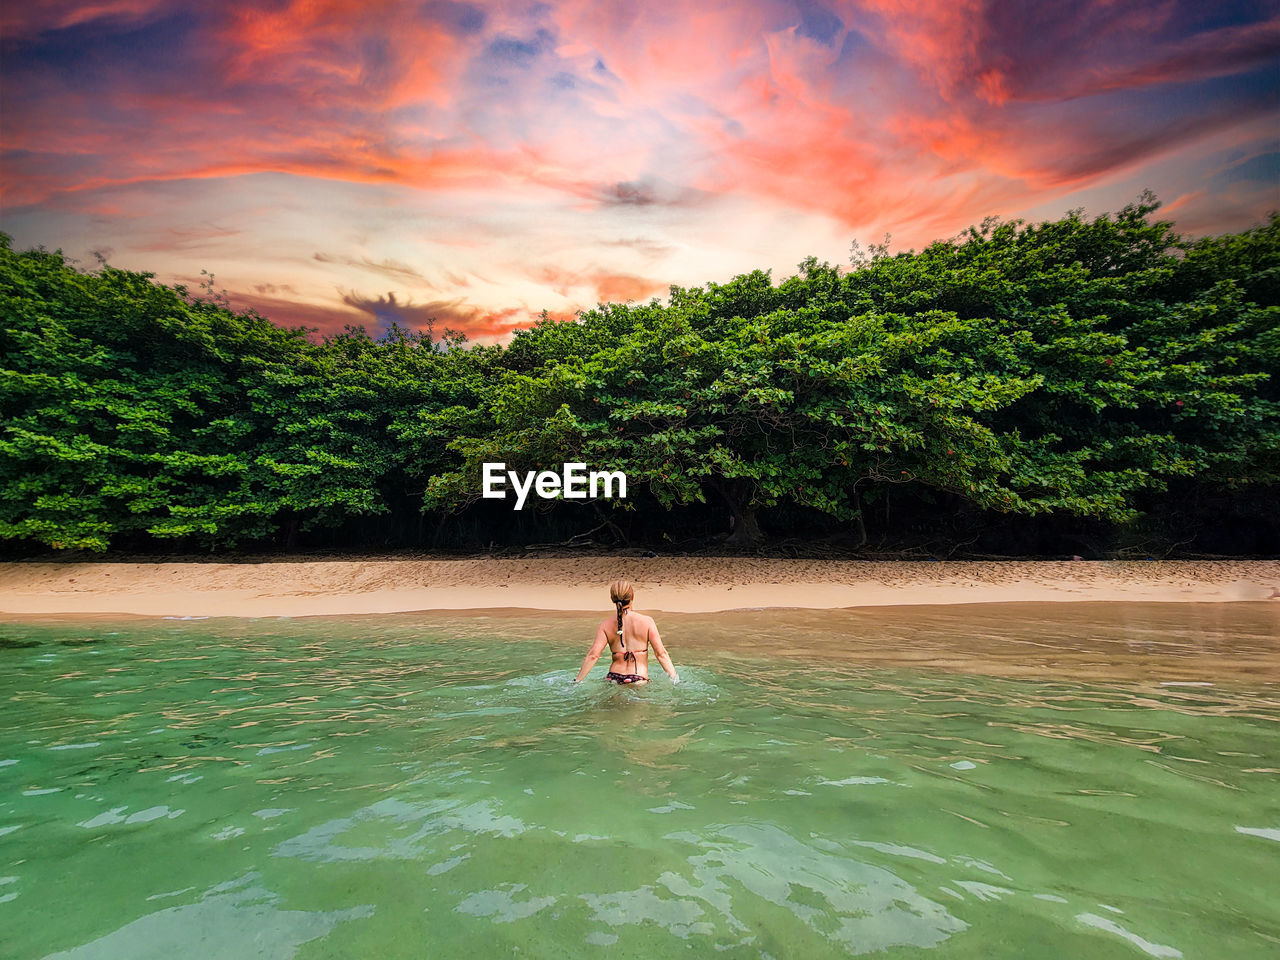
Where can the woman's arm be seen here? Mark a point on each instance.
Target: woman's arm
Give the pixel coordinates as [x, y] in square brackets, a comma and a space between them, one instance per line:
[660, 651]
[597, 648]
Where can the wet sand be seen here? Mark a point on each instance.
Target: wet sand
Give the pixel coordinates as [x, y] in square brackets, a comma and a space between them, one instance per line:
[673, 584]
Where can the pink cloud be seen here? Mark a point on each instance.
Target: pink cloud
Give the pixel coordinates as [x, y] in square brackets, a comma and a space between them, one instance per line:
[633, 139]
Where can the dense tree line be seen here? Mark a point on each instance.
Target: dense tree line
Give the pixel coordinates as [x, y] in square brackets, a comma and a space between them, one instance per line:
[1101, 387]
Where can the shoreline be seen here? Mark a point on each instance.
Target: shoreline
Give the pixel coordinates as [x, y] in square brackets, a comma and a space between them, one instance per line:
[663, 584]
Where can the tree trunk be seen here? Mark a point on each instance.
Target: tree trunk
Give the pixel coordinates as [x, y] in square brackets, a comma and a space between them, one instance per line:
[744, 529]
[859, 525]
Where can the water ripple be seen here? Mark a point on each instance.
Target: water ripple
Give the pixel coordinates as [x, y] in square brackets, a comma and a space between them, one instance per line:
[779, 801]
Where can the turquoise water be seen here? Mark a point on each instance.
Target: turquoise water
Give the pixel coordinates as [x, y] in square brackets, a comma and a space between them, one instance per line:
[434, 786]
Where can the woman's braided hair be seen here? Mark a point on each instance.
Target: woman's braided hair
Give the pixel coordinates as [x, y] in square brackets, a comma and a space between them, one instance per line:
[622, 593]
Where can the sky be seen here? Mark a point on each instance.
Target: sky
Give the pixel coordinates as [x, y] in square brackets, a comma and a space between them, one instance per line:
[471, 165]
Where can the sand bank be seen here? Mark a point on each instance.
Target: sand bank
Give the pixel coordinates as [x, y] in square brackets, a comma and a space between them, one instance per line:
[674, 584]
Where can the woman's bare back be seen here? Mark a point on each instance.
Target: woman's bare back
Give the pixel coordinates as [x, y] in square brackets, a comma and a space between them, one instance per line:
[637, 628]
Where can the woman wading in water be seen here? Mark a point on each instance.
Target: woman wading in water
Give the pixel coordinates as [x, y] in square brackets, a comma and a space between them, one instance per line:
[629, 637]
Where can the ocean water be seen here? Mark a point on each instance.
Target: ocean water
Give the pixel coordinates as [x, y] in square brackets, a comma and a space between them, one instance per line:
[942, 783]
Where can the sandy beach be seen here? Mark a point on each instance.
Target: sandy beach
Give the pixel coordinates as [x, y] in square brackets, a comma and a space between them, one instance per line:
[673, 584]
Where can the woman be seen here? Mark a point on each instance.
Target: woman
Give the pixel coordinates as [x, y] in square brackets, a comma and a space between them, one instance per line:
[629, 636]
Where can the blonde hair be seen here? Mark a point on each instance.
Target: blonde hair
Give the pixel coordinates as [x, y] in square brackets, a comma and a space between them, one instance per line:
[621, 592]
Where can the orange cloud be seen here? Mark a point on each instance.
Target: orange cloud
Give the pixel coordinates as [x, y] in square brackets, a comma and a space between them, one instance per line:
[608, 287]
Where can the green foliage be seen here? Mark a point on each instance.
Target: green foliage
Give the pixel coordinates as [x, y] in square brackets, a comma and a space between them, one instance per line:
[1064, 367]
[134, 412]
[1072, 368]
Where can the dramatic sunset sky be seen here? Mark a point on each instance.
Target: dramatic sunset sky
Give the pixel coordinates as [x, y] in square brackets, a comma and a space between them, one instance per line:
[357, 161]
